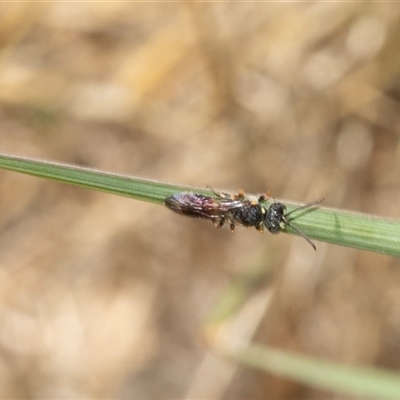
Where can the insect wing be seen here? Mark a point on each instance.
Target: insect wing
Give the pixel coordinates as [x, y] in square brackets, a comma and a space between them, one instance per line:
[184, 203]
[200, 206]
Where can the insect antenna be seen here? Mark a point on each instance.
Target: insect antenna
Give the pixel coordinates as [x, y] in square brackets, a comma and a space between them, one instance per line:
[285, 221]
[308, 205]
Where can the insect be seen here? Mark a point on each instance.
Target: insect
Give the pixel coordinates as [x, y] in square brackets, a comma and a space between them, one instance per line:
[225, 208]
[236, 210]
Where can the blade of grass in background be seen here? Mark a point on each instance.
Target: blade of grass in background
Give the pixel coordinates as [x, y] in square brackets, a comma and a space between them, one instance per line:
[330, 225]
[338, 378]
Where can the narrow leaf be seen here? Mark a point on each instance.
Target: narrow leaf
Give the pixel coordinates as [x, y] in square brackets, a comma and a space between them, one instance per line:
[339, 378]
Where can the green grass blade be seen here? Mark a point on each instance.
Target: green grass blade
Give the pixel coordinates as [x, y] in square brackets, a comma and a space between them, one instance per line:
[350, 229]
[123, 185]
[330, 225]
[339, 378]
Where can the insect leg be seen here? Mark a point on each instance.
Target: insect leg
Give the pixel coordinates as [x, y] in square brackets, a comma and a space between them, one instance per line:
[240, 196]
[260, 228]
[218, 222]
[264, 197]
[220, 195]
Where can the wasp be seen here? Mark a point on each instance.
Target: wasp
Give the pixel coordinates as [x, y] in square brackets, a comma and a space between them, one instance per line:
[237, 210]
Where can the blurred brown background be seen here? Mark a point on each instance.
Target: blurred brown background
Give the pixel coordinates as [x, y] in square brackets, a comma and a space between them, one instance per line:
[102, 296]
